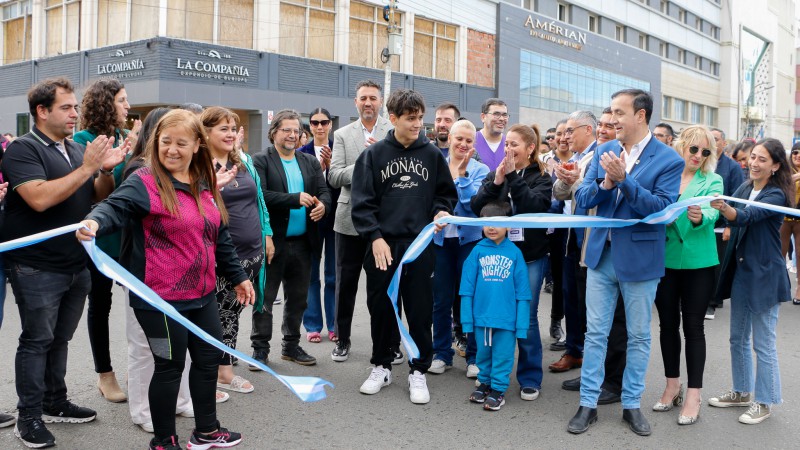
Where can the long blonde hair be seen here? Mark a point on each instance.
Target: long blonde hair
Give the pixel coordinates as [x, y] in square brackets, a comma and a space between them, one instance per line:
[201, 168]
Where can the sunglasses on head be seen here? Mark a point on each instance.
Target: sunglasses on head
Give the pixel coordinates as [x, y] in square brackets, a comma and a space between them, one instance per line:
[694, 149]
[316, 123]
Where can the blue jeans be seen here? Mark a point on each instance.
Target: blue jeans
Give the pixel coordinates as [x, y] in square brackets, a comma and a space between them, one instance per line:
[529, 366]
[450, 258]
[603, 288]
[50, 307]
[312, 318]
[751, 331]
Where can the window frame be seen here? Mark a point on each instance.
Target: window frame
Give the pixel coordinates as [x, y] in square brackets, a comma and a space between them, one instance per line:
[377, 27]
[592, 21]
[435, 47]
[308, 7]
[64, 5]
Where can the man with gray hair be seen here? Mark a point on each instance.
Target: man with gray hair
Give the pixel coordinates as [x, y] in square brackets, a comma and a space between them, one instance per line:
[297, 198]
[580, 134]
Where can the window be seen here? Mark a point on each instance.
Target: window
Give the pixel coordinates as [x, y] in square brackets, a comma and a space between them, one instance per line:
[643, 42]
[112, 19]
[662, 49]
[664, 7]
[666, 108]
[715, 68]
[369, 36]
[434, 49]
[308, 28]
[16, 32]
[62, 26]
[555, 84]
[698, 23]
[563, 13]
[680, 110]
[226, 22]
[711, 116]
[592, 23]
[530, 5]
[619, 33]
[23, 123]
[697, 113]
[682, 56]
[681, 15]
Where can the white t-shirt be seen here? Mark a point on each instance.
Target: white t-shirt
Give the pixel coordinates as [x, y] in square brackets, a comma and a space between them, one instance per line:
[494, 146]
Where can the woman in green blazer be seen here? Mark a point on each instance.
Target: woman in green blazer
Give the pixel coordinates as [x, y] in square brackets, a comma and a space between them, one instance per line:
[688, 284]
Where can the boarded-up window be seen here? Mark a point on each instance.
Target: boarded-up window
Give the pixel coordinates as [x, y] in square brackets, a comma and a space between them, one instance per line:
[236, 23]
[62, 26]
[369, 36]
[144, 19]
[308, 28]
[17, 39]
[435, 49]
[191, 19]
[111, 17]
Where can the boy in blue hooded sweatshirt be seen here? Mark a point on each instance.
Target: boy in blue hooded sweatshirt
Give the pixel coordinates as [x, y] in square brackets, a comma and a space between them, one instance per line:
[495, 303]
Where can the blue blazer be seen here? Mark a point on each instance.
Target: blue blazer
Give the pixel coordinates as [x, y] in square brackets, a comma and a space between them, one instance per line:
[753, 270]
[326, 223]
[637, 251]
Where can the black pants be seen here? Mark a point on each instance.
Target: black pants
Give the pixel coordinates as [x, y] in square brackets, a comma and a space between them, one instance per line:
[684, 293]
[721, 247]
[416, 291]
[169, 341]
[350, 252]
[556, 268]
[97, 319]
[291, 266]
[574, 284]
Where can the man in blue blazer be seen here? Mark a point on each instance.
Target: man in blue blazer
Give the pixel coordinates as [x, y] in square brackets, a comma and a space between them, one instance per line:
[629, 178]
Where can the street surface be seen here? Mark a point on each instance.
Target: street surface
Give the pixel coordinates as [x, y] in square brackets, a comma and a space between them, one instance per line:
[272, 417]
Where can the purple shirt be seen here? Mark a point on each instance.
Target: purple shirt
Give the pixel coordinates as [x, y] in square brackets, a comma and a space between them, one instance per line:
[488, 157]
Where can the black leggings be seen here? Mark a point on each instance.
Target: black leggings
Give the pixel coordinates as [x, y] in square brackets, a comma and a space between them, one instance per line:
[684, 293]
[97, 319]
[169, 341]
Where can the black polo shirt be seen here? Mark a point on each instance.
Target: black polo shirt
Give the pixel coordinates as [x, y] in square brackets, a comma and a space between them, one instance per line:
[34, 157]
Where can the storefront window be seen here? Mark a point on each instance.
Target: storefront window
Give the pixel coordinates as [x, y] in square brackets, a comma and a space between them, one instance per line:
[308, 28]
[434, 49]
[555, 84]
[369, 36]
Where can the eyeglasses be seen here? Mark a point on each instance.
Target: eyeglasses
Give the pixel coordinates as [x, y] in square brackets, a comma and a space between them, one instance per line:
[290, 131]
[569, 131]
[795, 152]
[694, 149]
[316, 123]
[500, 115]
[660, 136]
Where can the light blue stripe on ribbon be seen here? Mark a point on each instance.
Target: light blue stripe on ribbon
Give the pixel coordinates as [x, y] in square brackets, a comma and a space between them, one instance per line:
[663, 217]
[308, 389]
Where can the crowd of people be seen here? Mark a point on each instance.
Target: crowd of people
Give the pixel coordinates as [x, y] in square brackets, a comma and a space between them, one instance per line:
[213, 228]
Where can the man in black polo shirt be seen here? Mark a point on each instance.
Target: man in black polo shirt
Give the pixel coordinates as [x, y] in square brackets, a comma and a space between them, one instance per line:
[52, 182]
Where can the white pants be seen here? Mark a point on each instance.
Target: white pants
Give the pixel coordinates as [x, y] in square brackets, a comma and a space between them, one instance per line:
[140, 372]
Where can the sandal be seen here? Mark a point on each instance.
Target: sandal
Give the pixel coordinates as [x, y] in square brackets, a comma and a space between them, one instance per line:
[237, 385]
[222, 397]
[314, 337]
[333, 337]
[796, 301]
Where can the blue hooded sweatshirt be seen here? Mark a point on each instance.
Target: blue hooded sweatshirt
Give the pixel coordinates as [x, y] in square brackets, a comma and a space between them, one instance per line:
[495, 291]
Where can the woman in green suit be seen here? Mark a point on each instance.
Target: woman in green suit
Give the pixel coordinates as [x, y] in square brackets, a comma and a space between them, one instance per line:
[688, 285]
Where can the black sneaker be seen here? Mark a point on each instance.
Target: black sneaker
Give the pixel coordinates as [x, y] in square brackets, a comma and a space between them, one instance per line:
[6, 420]
[398, 357]
[261, 356]
[710, 313]
[33, 433]
[461, 346]
[494, 401]
[67, 412]
[341, 352]
[222, 438]
[299, 356]
[548, 287]
[479, 395]
[170, 443]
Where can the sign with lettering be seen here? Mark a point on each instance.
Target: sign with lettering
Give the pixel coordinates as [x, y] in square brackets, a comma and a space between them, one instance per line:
[552, 31]
[127, 67]
[213, 65]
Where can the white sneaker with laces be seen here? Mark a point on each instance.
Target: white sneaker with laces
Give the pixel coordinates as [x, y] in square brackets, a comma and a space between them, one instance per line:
[378, 378]
[438, 366]
[757, 413]
[147, 426]
[418, 388]
[472, 371]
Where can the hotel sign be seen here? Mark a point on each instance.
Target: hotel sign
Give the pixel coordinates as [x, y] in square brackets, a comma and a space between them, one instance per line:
[555, 33]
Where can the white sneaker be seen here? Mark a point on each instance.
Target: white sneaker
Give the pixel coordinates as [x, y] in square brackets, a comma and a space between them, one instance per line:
[378, 378]
[438, 366]
[418, 388]
[472, 371]
[186, 413]
[147, 426]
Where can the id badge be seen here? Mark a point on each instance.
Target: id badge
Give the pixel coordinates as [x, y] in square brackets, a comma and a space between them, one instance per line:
[515, 235]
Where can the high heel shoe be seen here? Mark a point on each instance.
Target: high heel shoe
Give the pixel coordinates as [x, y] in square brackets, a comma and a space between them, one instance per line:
[690, 420]
[676, 401]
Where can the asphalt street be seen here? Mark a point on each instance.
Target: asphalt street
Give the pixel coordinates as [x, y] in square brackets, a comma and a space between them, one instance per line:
[272, 417]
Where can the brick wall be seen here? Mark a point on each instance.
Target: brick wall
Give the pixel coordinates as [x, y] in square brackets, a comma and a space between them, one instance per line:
[480, 58]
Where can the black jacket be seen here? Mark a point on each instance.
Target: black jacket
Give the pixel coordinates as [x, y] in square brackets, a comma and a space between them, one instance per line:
[396, 191]
[279, 201]
[326, 223]
[530, 193]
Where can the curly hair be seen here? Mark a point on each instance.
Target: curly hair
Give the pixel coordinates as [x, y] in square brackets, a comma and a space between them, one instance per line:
[98, 113]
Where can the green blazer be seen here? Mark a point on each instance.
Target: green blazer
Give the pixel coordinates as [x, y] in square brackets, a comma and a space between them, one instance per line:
[691, 246]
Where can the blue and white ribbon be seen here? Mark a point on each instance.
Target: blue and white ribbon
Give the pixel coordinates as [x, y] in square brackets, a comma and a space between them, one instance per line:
[663, 217]
[308, 389]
